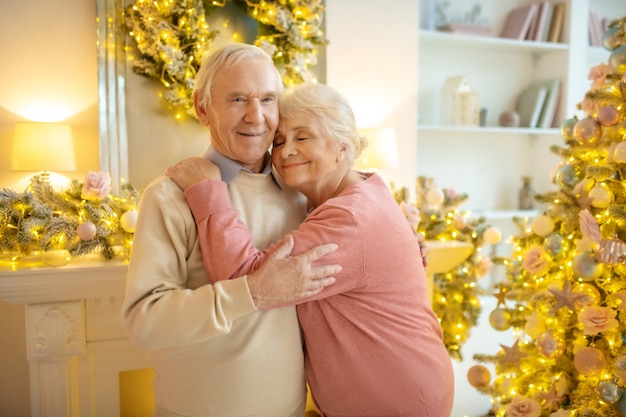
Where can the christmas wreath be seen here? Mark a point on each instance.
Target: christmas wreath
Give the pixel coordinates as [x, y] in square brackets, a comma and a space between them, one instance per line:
[172, 36]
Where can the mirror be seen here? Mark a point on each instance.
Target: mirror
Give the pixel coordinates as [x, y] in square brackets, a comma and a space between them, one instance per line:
[113, 144]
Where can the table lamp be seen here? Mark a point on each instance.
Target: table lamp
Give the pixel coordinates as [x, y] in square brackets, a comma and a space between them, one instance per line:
[42, 147]
[381, 151]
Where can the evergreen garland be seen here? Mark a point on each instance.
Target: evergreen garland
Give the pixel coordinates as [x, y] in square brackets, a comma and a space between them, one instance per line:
[42, 219]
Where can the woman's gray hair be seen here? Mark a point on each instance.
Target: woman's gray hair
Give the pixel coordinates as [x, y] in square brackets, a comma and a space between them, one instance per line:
[223, 58]
[331, 108]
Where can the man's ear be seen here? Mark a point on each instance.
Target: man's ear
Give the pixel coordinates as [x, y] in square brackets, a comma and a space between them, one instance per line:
[200, 110]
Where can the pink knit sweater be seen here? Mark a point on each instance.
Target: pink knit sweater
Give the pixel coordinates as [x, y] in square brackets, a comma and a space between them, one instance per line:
[373, 344]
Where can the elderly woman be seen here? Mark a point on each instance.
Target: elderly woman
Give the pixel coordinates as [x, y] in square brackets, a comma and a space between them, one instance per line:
[373, 346]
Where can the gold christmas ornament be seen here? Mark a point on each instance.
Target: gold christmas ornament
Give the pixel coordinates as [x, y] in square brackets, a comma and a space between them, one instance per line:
[500, 319]
[478, 376]
[589, 361]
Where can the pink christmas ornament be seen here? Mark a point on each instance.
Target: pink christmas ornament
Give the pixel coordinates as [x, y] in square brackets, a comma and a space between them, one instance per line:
[86, 231]
[611, 251]
[608, 115]
[550, 346]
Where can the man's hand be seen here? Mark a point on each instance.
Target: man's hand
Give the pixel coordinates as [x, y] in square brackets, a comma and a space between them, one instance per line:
[193, 170]
[423, 248]
[285, 279]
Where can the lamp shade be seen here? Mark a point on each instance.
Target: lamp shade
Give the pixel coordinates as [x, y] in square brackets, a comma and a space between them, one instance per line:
[42, 147]
[381, 151]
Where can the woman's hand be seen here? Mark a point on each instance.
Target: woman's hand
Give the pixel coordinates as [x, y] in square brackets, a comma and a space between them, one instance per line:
[193, 170]
[423, 247]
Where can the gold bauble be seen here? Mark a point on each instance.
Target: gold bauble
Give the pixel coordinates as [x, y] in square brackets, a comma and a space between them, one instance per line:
[589, 361]
[591, 295]
[500, 319]
[478, 376]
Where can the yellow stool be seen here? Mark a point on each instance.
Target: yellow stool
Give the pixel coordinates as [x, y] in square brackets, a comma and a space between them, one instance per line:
[311, 410]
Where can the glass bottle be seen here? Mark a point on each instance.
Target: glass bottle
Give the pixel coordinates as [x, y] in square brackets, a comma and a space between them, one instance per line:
[526, 195]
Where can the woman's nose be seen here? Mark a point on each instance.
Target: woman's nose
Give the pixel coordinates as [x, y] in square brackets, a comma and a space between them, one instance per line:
[288, 150]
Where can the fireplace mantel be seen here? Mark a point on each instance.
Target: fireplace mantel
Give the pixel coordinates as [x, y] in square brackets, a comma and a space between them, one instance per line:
[75, 343]
[77, 280]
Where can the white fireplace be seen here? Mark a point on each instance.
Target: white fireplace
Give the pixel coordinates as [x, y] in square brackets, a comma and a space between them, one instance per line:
[75, 344]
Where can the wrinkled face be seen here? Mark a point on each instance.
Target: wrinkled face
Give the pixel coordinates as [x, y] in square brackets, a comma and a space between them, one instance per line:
[306, 157]
[243, 113]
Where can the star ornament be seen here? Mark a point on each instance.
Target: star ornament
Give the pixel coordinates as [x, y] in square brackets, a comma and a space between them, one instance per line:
[513, 354]
[565, 297]
[552, 399]
[501, 296]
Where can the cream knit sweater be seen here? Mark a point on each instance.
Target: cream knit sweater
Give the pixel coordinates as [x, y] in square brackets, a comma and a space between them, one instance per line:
[214, 354]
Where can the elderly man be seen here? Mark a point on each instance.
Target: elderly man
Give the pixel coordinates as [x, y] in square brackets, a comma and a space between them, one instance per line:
[214, 350]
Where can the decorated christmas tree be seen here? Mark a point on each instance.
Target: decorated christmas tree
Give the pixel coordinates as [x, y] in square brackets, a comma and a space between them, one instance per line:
[565, 296]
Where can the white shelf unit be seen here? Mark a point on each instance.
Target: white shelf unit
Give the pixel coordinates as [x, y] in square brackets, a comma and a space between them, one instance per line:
[487, 163]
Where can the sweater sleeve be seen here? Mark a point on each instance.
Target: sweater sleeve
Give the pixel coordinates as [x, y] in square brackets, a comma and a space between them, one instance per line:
[228, 251]
[225, 242]
[161, 309]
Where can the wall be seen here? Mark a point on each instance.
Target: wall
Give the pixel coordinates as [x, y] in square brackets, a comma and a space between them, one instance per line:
[49, 73]
[372, 60]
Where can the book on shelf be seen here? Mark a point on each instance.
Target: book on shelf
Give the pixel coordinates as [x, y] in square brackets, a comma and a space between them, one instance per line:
[537, 103]
[540, 25]
[540, 21]
[556, 23]
[532, 30]
[544, 25]
[519, 21]
[530, 104]
[551, 102]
